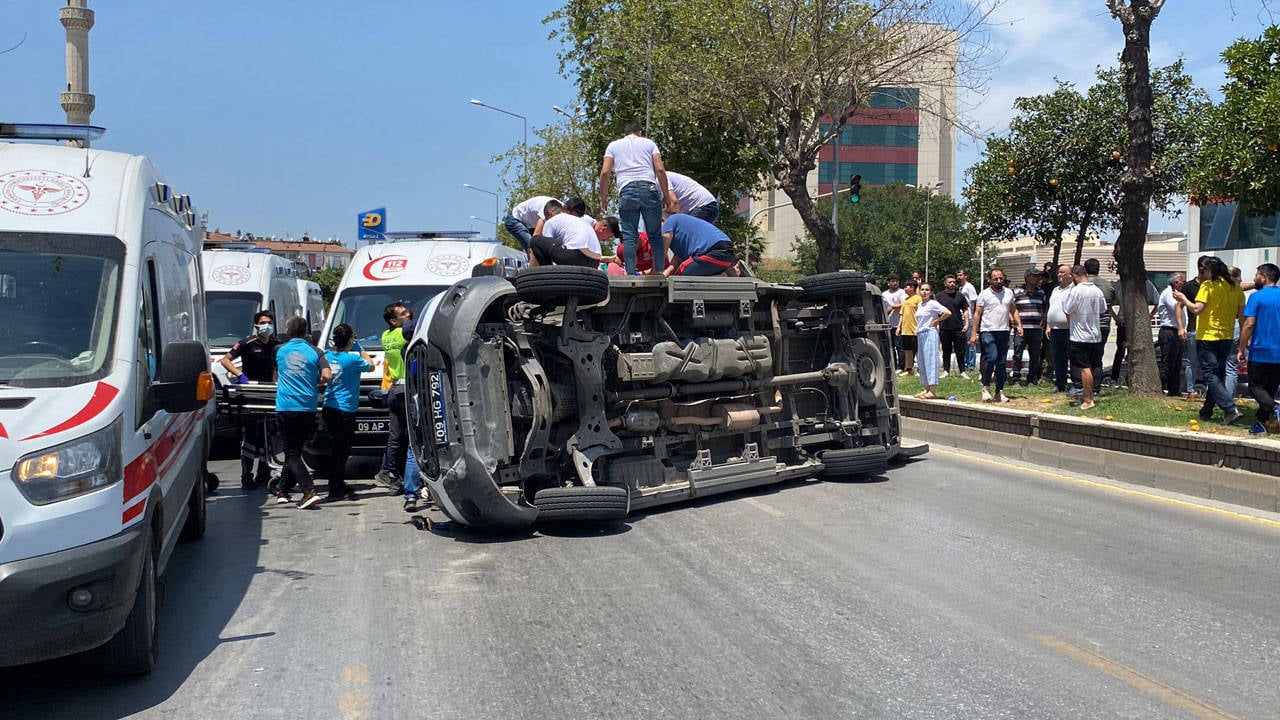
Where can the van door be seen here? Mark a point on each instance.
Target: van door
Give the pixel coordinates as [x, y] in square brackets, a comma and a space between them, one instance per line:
[176, 446]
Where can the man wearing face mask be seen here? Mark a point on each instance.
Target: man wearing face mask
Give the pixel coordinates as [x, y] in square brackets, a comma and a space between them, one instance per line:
[257, 356]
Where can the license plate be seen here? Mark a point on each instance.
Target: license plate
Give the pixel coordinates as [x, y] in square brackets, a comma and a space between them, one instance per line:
[372, 426]
[439, 417]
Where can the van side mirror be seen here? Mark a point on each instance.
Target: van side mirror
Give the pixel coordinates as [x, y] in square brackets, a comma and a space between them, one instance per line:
[185, 383]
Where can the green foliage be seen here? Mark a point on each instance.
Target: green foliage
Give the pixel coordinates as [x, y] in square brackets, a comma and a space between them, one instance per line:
[740, 90]
[885, 233]
[1059, 166]
[1242, 162]
[328, 280]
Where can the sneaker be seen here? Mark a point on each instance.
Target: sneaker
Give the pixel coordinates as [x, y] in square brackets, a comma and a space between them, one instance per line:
[396, 489]
[943, 375]
[385, 479]
[410, 504]
[1232, 417]
[964, 375]
[986, 394]
[903, 373]
[1257, 429]
[1000, 398]
[310, 499]
[282, 499]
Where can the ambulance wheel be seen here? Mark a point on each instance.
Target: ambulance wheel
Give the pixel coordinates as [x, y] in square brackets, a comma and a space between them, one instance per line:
[197, 512]
[556, 283]
[134, 649]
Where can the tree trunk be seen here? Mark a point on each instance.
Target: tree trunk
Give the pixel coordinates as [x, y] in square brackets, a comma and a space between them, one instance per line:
[1084, 230]
[1136, 188]
[824, 233]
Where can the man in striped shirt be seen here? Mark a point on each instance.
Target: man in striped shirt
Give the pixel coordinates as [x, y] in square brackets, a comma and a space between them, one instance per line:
[1031, 308]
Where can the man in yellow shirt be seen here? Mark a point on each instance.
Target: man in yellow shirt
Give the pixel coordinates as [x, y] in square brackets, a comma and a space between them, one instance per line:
[1217, 305]
[907, 328]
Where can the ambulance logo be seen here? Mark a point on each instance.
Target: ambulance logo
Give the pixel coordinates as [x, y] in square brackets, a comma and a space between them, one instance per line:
[230, 275]
[41, 192]
[386, 268]
[447, 264]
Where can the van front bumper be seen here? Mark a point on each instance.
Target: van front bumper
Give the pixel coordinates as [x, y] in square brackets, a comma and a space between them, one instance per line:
[38, 621]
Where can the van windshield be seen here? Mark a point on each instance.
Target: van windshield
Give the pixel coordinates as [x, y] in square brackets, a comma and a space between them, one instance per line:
[229, 316]
[59, 297]
[361, 308]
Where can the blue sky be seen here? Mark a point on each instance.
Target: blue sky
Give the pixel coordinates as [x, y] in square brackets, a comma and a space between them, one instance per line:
[284, 117]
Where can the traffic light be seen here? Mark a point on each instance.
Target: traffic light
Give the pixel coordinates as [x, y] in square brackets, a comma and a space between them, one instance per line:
[855, 188]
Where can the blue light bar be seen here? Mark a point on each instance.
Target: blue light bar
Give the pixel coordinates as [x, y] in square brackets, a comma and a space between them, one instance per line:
[49, 131]
[429, 234]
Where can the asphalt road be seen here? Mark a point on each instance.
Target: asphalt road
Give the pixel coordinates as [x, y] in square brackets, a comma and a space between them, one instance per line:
[954, 587]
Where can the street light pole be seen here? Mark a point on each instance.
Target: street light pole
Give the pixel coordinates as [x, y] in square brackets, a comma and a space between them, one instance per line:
[524, 150]
[490, 192]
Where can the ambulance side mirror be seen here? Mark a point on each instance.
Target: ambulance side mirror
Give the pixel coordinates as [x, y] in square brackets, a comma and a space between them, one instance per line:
[183, 367]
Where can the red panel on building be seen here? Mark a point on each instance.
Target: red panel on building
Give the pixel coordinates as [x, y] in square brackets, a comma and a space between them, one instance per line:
[870, 154]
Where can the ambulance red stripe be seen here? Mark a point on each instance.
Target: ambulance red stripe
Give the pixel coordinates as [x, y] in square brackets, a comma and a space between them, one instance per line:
[103, 394]
[133, 512]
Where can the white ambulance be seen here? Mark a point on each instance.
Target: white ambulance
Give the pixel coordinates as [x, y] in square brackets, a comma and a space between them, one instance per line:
[411, 268]
[311, 301]
[104, 395]
[239, 283]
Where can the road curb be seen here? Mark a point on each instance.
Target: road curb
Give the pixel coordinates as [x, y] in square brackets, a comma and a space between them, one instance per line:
[1233, 470]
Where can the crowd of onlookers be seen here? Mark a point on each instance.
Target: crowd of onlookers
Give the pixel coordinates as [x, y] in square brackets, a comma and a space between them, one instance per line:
[1061, 318]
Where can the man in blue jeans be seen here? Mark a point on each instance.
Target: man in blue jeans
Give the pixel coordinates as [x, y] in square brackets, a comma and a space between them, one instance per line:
[642, 184]
[994, 313]
[698, 248]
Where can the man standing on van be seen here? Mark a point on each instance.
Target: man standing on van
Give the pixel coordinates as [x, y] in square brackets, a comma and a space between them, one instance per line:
[300, 370]
[257, 355]
[642, 185]
[393, 344]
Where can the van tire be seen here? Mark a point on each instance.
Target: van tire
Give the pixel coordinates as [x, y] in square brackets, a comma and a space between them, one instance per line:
[197, 511]
[583, 503]
[133, 650]
[556, 283]
[869, 371]
[854, 462]
[842, 284]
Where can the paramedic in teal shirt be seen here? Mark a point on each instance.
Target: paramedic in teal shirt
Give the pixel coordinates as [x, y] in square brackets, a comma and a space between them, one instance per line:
[347, 360]
[300, 371]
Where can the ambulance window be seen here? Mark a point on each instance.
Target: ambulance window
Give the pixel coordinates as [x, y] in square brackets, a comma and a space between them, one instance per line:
[149, 323]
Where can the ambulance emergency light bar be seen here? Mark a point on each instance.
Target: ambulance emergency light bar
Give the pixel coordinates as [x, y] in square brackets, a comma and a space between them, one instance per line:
[50, 131]
[432, 234]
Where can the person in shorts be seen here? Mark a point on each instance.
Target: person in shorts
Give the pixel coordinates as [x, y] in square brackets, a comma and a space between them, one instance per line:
[1084, 308]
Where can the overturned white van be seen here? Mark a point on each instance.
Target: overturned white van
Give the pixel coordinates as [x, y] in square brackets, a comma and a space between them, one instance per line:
[104, 396]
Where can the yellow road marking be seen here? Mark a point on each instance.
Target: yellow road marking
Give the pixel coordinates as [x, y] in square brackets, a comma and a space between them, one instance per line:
[352, 704]
[767, 508]
[1166, 694]
[1119, 490]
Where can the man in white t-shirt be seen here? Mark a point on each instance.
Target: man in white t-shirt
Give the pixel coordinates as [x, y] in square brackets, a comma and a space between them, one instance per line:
[893, 298]
[686, 195]
[995, 312]
[566, 240]
[1058, 327]
[1085, 306]
[636, 162]
[523, 219]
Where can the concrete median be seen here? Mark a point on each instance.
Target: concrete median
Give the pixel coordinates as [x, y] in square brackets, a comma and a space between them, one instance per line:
[1241, 471]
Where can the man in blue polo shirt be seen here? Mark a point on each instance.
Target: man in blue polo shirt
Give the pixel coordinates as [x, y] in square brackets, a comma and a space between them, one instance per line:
[347, 360]
[1260, 333]
[300, 371]
[697, 248]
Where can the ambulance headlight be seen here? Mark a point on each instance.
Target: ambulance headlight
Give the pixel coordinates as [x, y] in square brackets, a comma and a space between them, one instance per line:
[74, 468]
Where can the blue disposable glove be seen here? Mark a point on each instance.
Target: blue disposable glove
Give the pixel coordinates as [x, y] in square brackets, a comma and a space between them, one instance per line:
[243, 379]
[355, 347]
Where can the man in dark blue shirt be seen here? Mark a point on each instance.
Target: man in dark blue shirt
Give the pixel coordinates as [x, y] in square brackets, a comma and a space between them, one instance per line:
[697, 248]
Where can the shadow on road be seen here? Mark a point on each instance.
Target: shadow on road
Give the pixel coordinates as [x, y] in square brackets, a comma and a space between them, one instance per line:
[203, 585]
